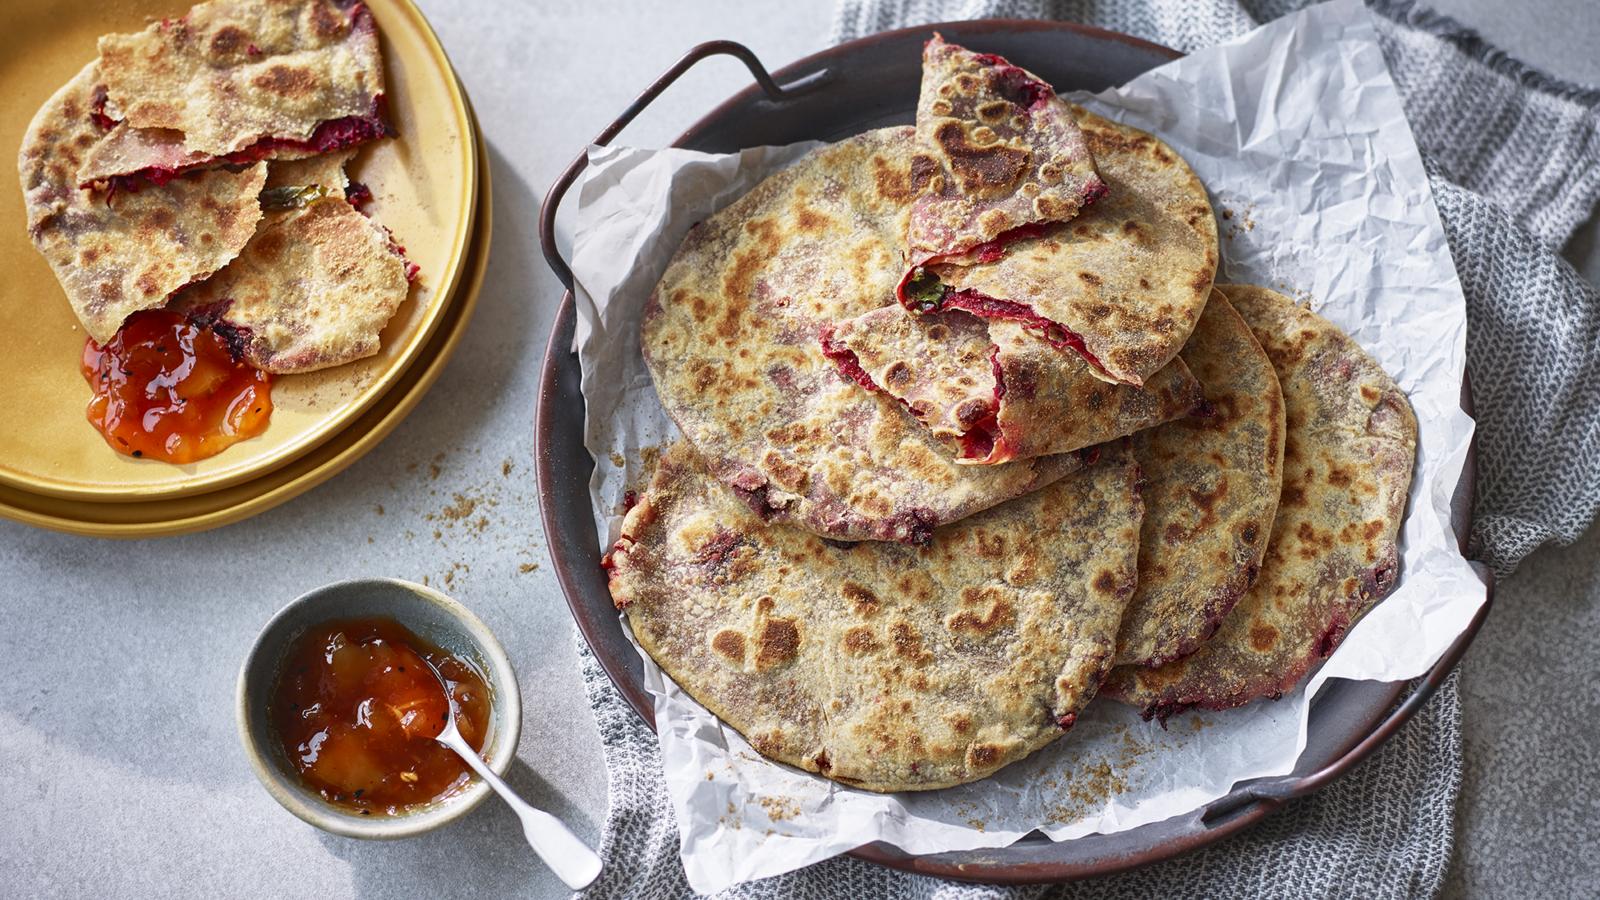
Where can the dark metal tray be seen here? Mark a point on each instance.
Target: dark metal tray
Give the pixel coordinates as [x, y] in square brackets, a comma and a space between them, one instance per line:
[839, 92]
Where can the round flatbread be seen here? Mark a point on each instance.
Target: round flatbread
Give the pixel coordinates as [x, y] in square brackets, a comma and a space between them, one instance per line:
[1350, 445]
[1123, 284]
[731, 336]
[116, 255]
[878, 665]
[1211, 491]
[992, 391]
[997, 151]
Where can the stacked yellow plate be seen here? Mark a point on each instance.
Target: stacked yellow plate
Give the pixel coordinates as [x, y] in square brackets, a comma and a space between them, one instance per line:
[430, 186]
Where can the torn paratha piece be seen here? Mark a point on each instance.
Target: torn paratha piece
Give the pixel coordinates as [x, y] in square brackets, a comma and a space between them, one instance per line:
[998, 153]
[235, 81]
[992, 391]
[1211, 486]
[730, 335]
[878, 665]
[1122, 284]
[314, 287]
[1350, 442]
[116, 256]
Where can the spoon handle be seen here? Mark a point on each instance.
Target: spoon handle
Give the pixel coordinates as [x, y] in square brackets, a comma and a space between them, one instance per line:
[566, 855]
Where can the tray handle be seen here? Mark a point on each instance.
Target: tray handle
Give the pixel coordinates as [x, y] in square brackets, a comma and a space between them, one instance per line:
[1276, 792]
[558, 190]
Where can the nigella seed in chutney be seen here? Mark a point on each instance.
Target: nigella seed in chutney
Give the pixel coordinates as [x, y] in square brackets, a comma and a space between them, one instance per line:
[356, 709]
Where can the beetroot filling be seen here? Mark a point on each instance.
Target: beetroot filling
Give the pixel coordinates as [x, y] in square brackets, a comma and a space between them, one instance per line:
[358, 194]
[986, 438]
[1328, 641]
[978, 442]
[987, 252]
[847, 361]
[1020, 88]
[398, 249]
[334, 134]
[1058, 335]
[98, 112]
[994, 249]
[608, 563]
[236, 337]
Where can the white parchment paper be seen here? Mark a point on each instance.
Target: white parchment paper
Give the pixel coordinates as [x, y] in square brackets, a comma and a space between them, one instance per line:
[1298, 132]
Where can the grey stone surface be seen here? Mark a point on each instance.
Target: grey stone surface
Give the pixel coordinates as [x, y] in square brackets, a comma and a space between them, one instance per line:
[119, 762]
[1530, 790]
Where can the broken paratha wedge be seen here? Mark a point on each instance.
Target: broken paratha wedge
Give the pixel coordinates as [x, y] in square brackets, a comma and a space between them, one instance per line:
[882, 666]
[315, 285]
[998, 154]
[1350, 442]
[117, 256]
[1122, 285]
[236, 81]
[992, 391]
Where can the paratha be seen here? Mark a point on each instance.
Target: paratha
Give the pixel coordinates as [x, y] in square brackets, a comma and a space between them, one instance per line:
[1350, 442]
[1210, 493]
[992, 391]
[235, 81]
[997, 152]
[731, 336]
[1123, 283]
[878, 665]
[116, 256]
[315, 285]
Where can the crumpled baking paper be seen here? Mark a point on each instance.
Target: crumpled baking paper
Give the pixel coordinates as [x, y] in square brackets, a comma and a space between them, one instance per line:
[1299, 134]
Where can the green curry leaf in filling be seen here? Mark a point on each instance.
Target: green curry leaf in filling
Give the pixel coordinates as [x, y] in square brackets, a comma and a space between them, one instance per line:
[292, 196]
[926, 291]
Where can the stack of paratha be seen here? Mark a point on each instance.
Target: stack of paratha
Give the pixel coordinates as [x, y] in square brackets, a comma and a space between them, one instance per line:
[199, 165]
[970, 436]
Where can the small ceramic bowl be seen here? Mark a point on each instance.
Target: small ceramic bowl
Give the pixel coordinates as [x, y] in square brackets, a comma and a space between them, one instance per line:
[431, 616]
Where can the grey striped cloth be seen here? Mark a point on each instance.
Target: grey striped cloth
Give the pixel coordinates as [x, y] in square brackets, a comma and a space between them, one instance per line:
[1515, 164]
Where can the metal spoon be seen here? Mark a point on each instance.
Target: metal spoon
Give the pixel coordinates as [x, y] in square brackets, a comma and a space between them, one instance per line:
[566, 855]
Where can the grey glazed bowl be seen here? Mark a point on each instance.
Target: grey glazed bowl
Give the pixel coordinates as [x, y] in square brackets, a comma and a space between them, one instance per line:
[431, 616]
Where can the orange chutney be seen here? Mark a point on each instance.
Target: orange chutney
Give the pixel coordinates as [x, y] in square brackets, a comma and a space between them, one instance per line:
[167, 388]
[357, 708]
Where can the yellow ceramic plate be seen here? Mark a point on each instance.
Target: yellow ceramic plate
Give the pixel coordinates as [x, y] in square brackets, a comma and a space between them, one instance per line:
[181, 515]
[424, 185]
